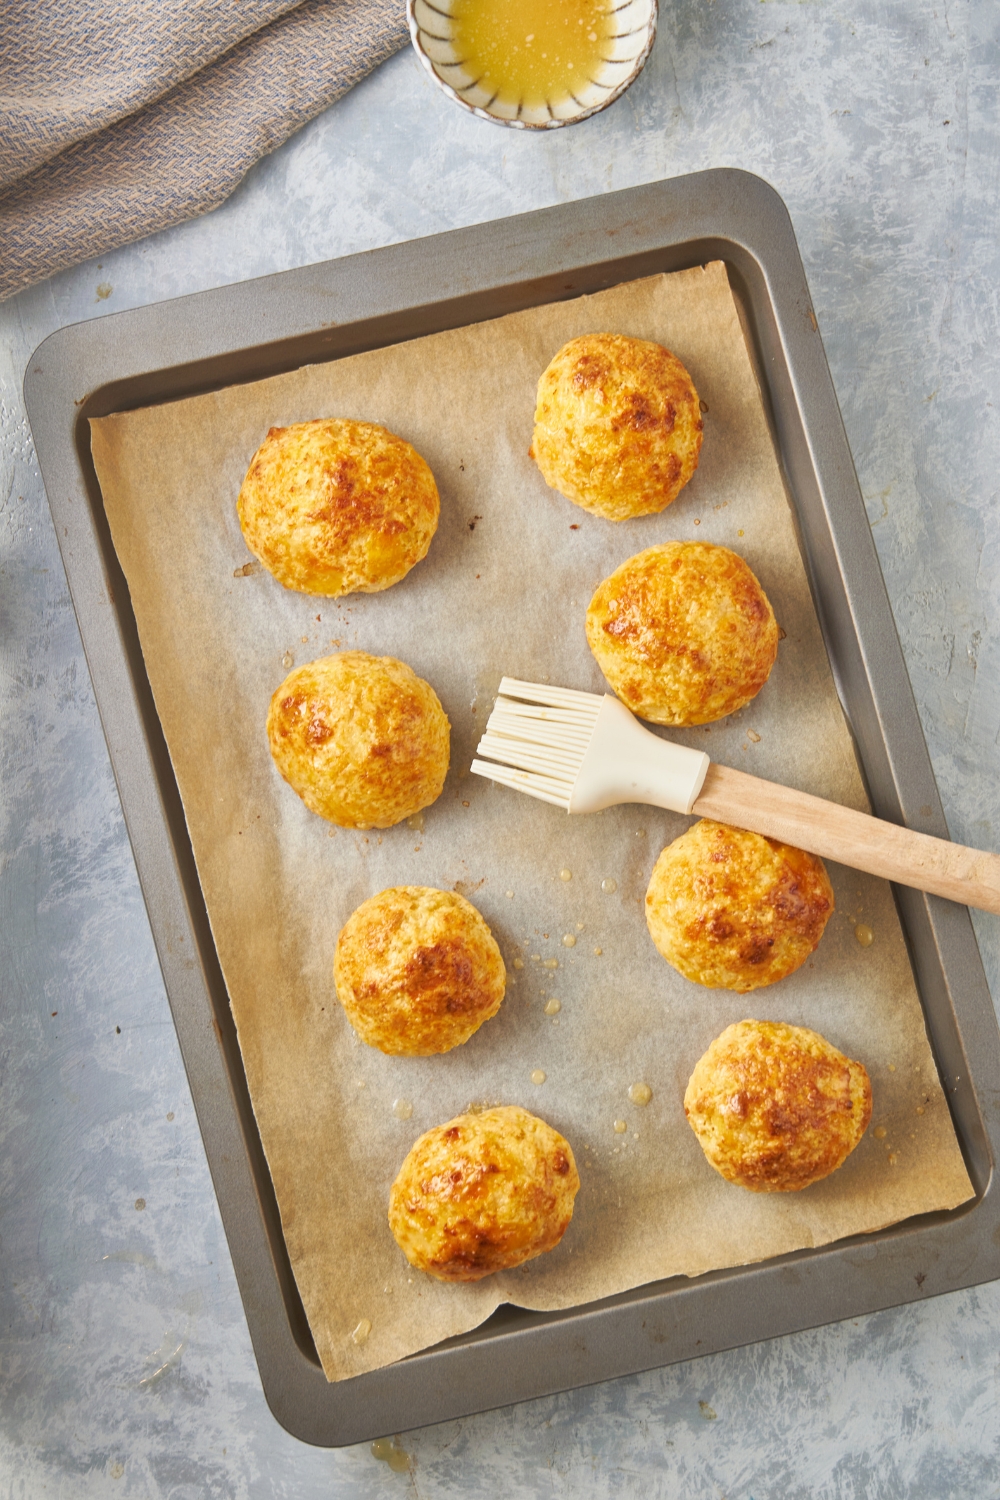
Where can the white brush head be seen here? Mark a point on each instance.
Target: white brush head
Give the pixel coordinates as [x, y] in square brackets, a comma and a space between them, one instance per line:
[540, 740]
[582, 752]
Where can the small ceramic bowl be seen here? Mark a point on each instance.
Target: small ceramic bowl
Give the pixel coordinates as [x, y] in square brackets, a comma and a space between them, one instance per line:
[432, 33]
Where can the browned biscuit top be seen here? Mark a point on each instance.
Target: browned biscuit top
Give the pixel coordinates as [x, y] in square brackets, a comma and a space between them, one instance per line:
[776, 1107]
[618, 425]
[683, 632]
[338, 507]
[362, 739]
[418, 970]
[733, 910]
[483, 1193]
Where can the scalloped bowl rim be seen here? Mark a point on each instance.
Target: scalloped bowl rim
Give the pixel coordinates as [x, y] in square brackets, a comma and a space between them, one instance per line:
[483, 114]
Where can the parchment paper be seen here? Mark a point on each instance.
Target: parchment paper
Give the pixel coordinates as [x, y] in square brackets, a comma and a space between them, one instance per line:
[504, 589]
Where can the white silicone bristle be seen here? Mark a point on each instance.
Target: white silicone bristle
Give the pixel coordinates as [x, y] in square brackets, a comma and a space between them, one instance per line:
[554, 697]
[583, 752]
[539, 735]
[545, 788]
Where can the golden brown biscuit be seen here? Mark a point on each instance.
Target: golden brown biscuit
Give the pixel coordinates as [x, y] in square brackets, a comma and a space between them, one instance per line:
[683, 632]
[483, 1193]
[336, 507]
[362, 739]
[417, 971]
[776, 1107]
[732, 910]
[617, 425]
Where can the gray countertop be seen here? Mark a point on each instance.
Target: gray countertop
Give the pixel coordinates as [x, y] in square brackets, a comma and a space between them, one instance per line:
[125, 1363]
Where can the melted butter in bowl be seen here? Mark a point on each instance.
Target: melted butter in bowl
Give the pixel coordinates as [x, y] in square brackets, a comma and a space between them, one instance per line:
[533, 64]
[531, 52]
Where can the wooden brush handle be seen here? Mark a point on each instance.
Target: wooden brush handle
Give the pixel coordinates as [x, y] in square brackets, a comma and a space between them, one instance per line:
[852, 838]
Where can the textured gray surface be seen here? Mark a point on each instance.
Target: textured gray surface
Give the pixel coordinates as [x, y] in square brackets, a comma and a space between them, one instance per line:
[125, 1365]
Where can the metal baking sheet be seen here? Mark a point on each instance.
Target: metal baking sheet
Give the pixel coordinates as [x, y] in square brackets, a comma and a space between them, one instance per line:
[278, 323]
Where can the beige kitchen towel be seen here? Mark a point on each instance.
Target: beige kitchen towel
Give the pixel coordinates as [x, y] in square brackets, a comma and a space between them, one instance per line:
[117, 121]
